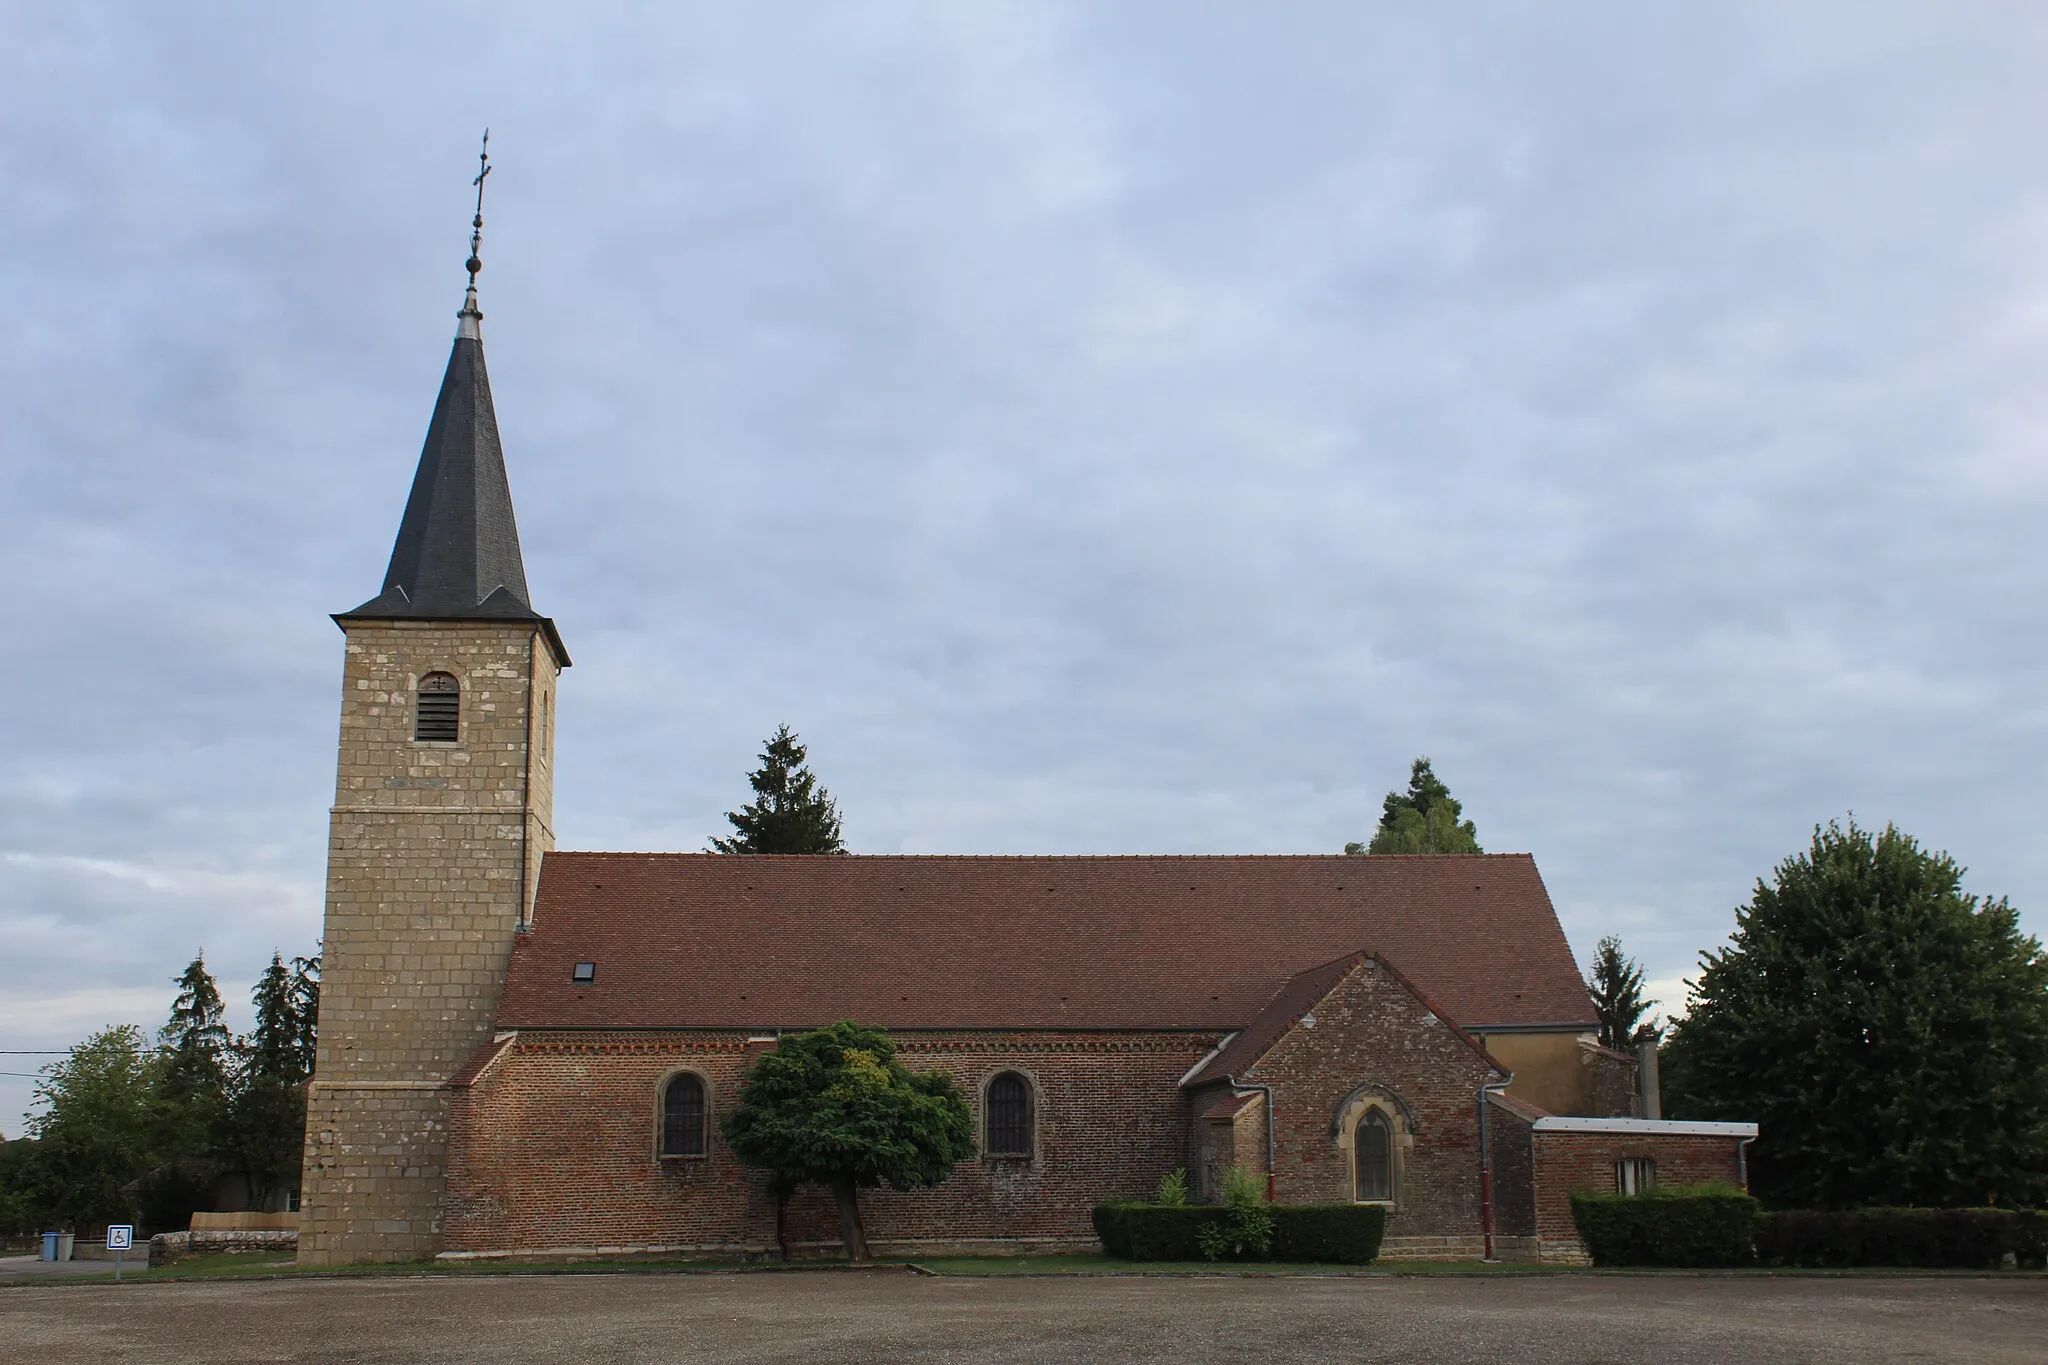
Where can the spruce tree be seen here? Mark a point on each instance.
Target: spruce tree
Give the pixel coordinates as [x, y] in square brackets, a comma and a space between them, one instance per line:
[194, 1041]
[1423, 819]
[273, 1046]
[1616, 986]
[1884, 1029]
[790, 812]
[305, 1011]
[264, 1132]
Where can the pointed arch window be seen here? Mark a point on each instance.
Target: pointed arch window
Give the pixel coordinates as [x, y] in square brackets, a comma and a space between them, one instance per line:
[437, 711]
[1374, 1153]
[682, 1115]
[1009, 1115]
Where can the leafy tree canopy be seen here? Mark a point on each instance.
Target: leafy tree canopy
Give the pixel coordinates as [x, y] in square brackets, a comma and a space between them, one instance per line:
[1616, 986]
[790, 812]
[1883, 1028]
[1423, 819]
[834, 1107]
[95, 1136]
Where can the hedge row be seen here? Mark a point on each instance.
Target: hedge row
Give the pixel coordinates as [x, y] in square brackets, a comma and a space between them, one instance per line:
[1337, 1234]
[1961, 1239]
[1704, 1226]
[1717, 1227]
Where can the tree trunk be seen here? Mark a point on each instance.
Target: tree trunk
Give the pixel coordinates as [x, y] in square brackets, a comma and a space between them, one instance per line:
[848, 1199]
[782, 1220]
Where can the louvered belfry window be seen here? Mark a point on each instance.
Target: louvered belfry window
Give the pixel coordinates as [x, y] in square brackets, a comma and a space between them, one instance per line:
[437, 714]
[1009, 1115]
[682, 1116]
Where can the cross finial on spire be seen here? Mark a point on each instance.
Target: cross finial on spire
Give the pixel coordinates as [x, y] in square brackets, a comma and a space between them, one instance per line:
[471, 316]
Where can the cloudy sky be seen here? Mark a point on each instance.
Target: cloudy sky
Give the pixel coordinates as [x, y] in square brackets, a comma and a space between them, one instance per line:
[1098, 428]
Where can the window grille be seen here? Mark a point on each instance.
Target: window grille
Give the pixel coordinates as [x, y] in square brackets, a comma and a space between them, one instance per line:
[438, 710]
[1635, 1175]
[1009, 1115]
[1374, 1150]
[682, 1116]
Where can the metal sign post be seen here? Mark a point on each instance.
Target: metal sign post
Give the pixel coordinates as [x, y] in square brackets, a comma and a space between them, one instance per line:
[120, 1237]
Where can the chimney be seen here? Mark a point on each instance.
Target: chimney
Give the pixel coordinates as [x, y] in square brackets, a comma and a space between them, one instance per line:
[1648, 1088]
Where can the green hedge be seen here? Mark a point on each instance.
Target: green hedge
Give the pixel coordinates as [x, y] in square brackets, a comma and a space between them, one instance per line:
[1675, 1226]
[1334, 1234]
[1960, 1239]
[1341, 1234]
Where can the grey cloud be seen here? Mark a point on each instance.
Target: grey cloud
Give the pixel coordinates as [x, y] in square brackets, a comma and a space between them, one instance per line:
[1092, 432]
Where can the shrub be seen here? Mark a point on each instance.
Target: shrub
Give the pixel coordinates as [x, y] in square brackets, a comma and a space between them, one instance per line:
[1673, 1225]
[1173, 1189]
[1346, 1234]
[1338, 1234]
[1245, 1231]
[1960, 1239]
[1113, 1227]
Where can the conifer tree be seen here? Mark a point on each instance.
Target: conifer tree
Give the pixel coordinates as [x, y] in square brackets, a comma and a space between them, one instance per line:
[273, 1045]
[790, 812]
[1616, 986]
[264, 1131]
[305, 1007]
[194, 1040]
[193, 1104]
[1884, 1029]
[1423, 819]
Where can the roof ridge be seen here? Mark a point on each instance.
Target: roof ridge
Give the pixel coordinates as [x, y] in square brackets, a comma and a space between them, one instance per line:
[1027, 857]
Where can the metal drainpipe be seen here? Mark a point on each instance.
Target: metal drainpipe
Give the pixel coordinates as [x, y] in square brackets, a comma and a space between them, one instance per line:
[1486, 1163]
[1237, 1088]
[1742, 1161]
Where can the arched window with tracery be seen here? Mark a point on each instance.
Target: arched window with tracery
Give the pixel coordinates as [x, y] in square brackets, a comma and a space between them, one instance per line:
[1373, 1151]
[682, 1115]
[437, 711]
[1009, 1115]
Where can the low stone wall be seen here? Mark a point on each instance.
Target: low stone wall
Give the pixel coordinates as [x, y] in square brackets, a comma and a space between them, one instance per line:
[244, 1222]
[166, 1247]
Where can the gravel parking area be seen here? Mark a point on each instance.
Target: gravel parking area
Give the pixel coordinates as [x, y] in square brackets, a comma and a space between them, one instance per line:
[896, 1316]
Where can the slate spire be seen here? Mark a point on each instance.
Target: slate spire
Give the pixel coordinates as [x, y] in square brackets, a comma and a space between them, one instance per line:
[457, 553]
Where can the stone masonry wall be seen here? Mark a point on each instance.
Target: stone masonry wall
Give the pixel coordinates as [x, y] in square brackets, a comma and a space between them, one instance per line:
[554, 1147]
[1372, 1036]
[434, 851]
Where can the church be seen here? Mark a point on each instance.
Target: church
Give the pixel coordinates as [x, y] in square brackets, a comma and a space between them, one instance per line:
[526, 1052]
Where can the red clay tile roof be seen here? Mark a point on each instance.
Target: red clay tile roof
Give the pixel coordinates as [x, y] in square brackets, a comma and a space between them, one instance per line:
[701, 940]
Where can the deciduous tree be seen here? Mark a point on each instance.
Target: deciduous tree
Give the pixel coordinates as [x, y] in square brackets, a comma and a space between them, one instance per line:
[1883, 1028]
[835, 1108]
[96, 1133]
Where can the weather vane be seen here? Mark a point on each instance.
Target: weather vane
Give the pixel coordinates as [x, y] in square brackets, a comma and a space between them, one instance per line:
[476, 229]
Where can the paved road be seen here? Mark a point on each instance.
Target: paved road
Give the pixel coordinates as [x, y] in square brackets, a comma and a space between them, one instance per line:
[893, 1316]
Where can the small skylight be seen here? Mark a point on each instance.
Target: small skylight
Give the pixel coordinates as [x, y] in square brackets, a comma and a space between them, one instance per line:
[583, 973]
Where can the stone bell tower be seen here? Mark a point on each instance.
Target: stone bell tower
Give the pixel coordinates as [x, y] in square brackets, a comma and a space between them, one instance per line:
[443, 806]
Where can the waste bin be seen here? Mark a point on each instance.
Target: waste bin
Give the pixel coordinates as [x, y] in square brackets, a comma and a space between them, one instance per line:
[64, 1241]
[50, 1245]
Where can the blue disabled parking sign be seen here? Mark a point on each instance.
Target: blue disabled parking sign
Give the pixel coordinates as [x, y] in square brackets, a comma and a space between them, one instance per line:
[120, 1238]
